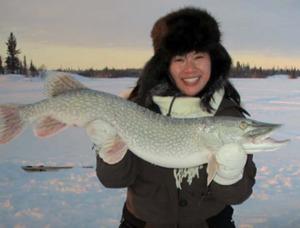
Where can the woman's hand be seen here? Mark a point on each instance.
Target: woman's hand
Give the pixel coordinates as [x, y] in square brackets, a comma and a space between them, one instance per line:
[231, 159]
[107, 144]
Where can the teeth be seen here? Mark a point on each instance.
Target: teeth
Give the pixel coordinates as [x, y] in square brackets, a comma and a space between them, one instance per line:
[190, 80]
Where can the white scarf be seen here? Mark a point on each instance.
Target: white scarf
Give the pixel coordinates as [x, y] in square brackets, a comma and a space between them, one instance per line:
[187, 107]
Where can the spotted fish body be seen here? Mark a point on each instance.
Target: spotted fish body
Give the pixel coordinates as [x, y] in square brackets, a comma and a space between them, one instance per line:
[158, 139]
[161, 140]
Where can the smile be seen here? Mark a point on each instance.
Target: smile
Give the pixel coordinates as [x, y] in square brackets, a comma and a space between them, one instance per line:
[191, 81]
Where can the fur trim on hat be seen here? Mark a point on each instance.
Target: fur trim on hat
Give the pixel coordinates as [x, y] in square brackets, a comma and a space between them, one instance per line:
[185, 30]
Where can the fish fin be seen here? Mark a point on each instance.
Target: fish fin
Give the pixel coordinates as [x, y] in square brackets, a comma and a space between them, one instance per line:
[113, 150]
[48, 126]
[61, 83]
[11, 123]
[212, 167]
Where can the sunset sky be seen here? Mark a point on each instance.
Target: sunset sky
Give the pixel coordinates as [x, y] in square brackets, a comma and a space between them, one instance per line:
[99, 33]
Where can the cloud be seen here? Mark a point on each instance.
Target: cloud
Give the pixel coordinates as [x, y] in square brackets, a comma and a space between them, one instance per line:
[19, 225]
[246, 226]
[7, 204]
[279, 181]
[264, 170]
[35, 213]
[251, 221]
[257, 33]
[274, 179]
[261, 196]
[296, 172]
[254, 26]
[72, 183]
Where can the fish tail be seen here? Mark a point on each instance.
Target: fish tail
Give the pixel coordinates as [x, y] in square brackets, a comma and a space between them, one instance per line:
[11, 123]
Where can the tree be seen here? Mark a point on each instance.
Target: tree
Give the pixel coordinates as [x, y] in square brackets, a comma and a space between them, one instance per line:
[33, 70]
[12, 61]
[24, 66]
[42, 71]
[1, 66]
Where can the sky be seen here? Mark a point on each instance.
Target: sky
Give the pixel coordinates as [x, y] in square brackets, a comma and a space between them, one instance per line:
[100, 33]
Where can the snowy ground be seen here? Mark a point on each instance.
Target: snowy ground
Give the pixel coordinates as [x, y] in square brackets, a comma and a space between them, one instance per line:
[75, 198]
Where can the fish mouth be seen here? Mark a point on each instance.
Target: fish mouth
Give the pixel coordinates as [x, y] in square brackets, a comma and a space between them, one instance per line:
[259, 137]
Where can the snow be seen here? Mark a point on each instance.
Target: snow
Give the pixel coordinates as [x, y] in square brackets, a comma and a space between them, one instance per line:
[279, 76]
[75, 197]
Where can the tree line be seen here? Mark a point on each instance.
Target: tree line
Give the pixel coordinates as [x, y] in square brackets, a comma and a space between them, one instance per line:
[239, 70]
[13, 64]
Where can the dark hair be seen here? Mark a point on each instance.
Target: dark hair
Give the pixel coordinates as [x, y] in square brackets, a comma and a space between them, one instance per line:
[178, 33]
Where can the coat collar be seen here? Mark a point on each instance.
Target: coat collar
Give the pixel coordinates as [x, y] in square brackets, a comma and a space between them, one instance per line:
[188, 107]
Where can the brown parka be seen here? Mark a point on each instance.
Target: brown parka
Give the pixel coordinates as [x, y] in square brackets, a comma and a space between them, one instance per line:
[152, 195]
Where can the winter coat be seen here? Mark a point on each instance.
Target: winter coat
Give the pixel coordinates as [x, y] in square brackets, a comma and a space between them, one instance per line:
[152, 195]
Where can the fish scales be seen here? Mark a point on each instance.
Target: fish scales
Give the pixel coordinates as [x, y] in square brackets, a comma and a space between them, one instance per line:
[84, 105]
[158, 139]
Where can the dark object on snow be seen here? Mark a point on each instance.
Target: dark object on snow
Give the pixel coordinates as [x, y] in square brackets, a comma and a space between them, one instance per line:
[42, 168]
[87, 167]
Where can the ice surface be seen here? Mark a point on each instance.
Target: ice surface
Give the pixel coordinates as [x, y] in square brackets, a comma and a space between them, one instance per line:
[76, 198]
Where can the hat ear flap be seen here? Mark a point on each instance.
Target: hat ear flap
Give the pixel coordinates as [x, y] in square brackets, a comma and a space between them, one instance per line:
[221, 62]
[158, 32]
[154, 71]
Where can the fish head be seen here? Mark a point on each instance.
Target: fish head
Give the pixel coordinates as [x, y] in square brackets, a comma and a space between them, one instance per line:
[256, 136]
[252, 135]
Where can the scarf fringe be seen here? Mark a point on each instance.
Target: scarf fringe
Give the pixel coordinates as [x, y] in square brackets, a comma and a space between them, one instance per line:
[189, 173]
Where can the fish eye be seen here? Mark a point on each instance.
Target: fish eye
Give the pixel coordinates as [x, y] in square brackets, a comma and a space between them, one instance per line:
[243, 125]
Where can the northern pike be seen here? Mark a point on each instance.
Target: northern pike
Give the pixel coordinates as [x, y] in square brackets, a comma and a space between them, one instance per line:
[160, 140]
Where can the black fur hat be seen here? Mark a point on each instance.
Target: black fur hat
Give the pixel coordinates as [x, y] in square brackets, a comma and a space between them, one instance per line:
[185, 30]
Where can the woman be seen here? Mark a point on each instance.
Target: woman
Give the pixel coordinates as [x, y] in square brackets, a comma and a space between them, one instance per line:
[186, 77]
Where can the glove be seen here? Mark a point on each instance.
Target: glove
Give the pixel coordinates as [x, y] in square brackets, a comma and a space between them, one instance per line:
[231, 159]
[108, 145]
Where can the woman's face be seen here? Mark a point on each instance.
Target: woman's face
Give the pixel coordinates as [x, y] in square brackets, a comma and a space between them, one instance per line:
[191, 71]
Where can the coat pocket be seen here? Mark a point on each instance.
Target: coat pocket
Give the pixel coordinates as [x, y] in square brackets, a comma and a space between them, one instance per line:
[142, 188]
[147, 190]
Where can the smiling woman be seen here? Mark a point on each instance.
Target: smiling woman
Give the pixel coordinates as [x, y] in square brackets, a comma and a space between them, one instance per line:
[187, 77]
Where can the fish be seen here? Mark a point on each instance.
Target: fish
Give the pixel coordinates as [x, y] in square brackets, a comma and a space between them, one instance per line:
[161, 140]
